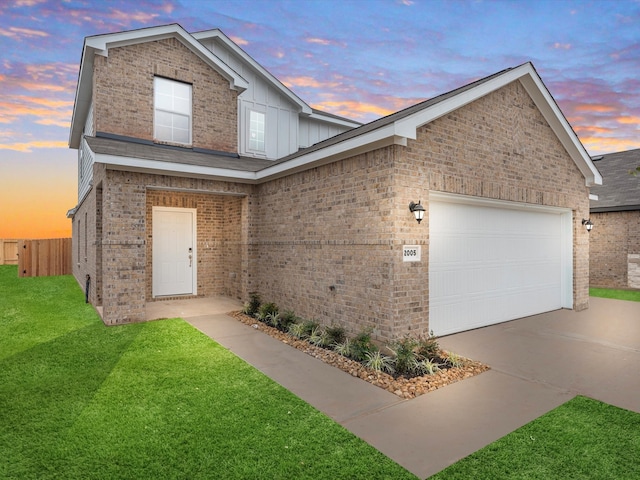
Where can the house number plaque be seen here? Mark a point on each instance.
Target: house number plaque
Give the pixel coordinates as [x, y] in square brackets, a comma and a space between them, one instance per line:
[411, 253]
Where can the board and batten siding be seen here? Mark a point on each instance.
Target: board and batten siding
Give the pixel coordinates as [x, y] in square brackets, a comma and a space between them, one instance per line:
[85, 158]
[286, 129]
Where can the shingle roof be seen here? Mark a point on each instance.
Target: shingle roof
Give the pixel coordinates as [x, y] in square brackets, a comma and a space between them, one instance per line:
[619, 190]
[128, 147]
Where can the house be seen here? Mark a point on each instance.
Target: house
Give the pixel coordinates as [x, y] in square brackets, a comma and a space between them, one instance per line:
[200, 174]
[614, 257]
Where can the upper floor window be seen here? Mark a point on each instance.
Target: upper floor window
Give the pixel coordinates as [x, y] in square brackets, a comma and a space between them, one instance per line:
[172, 111]
[256, 131]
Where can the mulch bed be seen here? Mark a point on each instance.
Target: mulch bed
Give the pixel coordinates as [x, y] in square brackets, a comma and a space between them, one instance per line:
[400, 386]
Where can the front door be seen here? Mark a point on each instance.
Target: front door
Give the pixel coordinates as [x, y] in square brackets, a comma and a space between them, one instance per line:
[174, 252]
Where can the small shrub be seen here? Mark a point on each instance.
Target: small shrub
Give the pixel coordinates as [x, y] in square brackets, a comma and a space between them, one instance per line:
[286, 319]
[362, 344]
[298, 330]
[427, 367]
[251, 307]
[343, 348]
[378, 362]
[309, 326]
[406, 358]
[455, 360]
[336, 334]
[318, 336]
[428, 346]
[266, 309]
[273, 319]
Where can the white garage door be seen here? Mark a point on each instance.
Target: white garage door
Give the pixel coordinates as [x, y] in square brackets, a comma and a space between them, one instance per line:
[492, 261]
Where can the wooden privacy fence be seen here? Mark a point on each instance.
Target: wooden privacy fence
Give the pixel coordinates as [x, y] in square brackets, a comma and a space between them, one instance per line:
[41, 258]
[8, 252]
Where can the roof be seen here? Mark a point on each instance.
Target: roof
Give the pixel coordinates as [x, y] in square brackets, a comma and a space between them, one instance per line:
[395, 129]
[620, 190]
[400, 126]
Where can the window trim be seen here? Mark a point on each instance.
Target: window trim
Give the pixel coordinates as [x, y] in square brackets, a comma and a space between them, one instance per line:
[262, 150]
[173, 111]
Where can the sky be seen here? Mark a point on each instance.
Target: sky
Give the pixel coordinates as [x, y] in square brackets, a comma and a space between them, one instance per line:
[362, 59]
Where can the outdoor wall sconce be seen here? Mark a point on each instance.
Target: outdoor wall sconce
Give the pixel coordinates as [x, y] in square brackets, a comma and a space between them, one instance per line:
[418, 210]
[587, 224]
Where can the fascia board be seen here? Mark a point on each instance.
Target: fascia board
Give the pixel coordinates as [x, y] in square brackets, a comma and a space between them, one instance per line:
[216, 33]
[82, 100]
[408, 126]
[557, 121]
[102, 43]
[334, 120]
[367, 142]
[116, 162]
[544, 101]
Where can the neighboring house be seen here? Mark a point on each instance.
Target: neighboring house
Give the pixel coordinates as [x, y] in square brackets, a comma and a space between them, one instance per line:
[200, 174]
[615, 238]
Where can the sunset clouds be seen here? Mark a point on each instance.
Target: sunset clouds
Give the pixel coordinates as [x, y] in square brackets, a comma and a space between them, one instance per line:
[356, 58]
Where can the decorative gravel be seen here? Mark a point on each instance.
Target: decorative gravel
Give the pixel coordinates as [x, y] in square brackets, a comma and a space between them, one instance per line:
[400, 386]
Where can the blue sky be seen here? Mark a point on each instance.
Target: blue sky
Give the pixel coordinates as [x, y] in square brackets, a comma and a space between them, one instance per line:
[362, 59]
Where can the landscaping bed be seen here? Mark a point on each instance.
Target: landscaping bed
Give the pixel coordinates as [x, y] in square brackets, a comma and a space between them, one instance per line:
[402, 386]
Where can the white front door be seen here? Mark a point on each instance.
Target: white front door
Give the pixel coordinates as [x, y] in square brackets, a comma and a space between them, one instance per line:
[174, 252]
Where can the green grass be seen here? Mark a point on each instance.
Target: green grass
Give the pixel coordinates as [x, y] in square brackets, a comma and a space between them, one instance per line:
[582, 439]
[632, 295]
[79, 400]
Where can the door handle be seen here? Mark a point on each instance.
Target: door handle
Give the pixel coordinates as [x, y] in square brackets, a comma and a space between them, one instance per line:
[190, 259]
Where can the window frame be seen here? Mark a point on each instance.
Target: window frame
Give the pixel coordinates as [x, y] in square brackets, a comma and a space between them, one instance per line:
[172, 111]
[251, 147]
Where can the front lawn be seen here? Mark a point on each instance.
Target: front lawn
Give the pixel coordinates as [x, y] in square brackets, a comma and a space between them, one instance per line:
[150, 400]
[632, 295]
[583, 439]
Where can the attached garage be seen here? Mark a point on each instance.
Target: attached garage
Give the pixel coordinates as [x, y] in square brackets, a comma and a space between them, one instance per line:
[492, 261]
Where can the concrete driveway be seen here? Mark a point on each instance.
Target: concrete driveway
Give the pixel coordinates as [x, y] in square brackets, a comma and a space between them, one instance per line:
[538, 363]
[594, 353]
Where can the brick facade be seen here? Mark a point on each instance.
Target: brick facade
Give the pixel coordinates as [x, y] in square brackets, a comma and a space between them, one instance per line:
[325, 242]
[123, 93]
[329, 240]
[614, 247]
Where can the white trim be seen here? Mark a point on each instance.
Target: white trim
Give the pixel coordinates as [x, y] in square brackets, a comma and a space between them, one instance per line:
[194, 264]
[345, 122]
[593, 196]
[218, 34]
[169, 168]
[491, 202]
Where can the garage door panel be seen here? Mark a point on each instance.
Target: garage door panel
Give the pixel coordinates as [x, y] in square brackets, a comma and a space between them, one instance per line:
[489, 264]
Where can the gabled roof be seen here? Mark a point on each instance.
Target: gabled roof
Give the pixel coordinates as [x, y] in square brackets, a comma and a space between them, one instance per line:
[397, 128]
[100, 45]
[619, 190]
[217, 34]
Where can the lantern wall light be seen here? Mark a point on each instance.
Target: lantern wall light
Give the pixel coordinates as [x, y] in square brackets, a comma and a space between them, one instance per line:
[587, 224]
[417, 210]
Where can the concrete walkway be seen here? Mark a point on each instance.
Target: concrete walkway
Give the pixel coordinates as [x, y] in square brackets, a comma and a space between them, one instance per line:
[537, 363]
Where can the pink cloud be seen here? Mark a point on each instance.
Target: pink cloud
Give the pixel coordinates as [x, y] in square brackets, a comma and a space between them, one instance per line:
[17, 33]
[239, 40]
[323, 41]
[307, 82]
[28, 147]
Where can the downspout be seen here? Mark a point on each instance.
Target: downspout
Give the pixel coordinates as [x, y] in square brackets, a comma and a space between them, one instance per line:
[87, 285]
